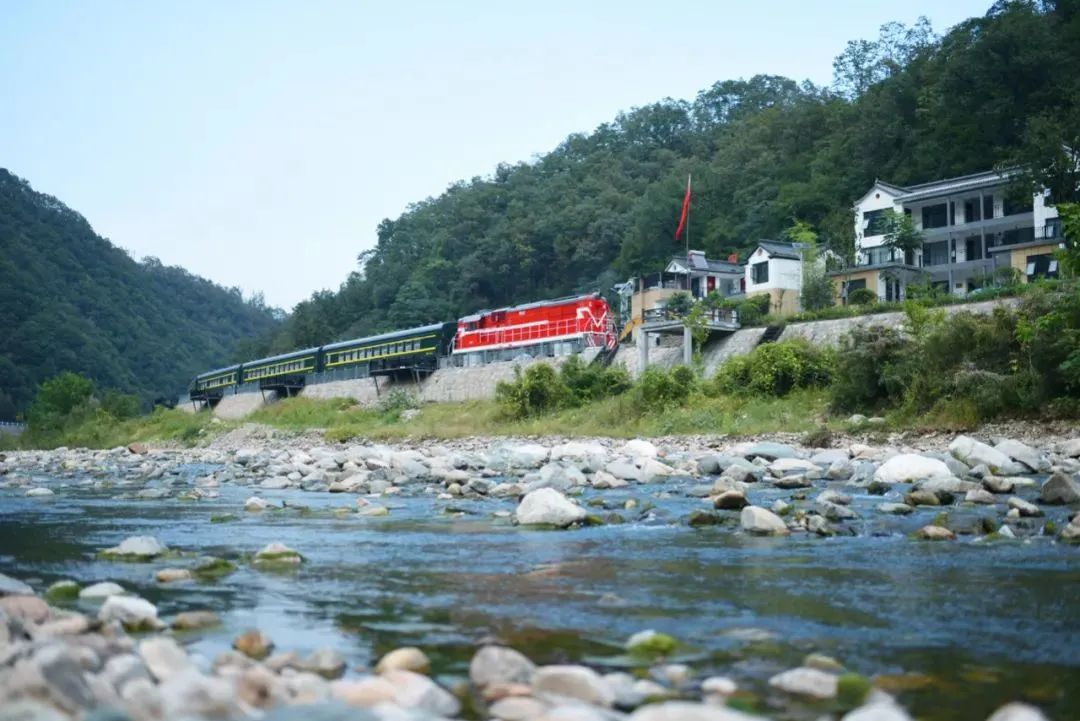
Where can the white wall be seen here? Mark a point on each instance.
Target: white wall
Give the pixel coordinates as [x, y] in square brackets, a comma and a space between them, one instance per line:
[878, 198]
[783, 273]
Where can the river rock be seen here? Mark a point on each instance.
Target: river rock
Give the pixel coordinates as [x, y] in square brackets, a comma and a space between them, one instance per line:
[40, 493]
[922, 497]
[253, 644]
[103, 589]
[255, 504]
[1024, 507]
[136, 548]
[408, 658]
[973, 452]
[1017, 711]
[639, 448]
[325, 662]
[1022, 453]
[192, 620]
[770, 451]
[527, 455]
[28, 609]
[124, 668]
[259, 687]
[603, 480]
[795, 481]
[134, 613]
[1059, 488]
[1071, 448]
[789, 466]
[277, 552]
[365, 692]
[164, 657]
[687, 711]
[579, 682]
[416, 691]
[761, 521]
[935, 533]
[517, 708]
[730, 500]
[980, 495]
[499, 665]
[588, 457]
[908, 467]
[879, 711]
[736, 473]
[901, 509]
[997, 484]
[192, 694]
[13, 587]
[546, 506]
[806, 681]
[171, 575]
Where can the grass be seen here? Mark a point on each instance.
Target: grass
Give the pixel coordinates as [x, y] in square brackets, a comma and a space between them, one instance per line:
[103, 431]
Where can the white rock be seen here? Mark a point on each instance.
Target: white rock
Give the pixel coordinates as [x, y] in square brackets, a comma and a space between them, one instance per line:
[413, 690]
[878, 712]
[548, 506]
[164, 657]
[1017, 712]
[639, 448]
[973, 453]
[1022, 453]
[138, 546]
[686, 711]
[133, 612]
[1024, 507]
[101, 590]
[527, 455]
[579, 682]
[719, 685]
[805, 681]
[1071, 448]
[787, 466]
[499, 664]
[907, 467]
[255, 504]
[193, 694]
[761, 521]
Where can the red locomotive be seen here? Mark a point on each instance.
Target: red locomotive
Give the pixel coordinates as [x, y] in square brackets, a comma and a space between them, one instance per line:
[578, 322]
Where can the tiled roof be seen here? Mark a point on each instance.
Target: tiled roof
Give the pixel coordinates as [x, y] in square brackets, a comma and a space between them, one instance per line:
[776, 249]
[950, 185]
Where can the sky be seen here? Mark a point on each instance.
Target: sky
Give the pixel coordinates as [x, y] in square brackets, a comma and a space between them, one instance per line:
[259, 144]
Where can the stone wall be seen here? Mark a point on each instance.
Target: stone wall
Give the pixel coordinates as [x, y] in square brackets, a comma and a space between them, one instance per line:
[234, 407]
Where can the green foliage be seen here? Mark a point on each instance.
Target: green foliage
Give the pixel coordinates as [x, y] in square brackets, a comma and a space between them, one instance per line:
[591, 382]
[120, 406]
[72, 301]
[901, 234]
[679, 303]
[397, 401]
[1070, 219]
[906, 106]
[60, 396]
[540, 389]
[818, 290]
[776, 369]
[862, 297]
[657, 389]
[750, 310]
[872, 368]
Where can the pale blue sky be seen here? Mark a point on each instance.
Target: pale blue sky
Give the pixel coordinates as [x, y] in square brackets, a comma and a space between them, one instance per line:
[259, 143]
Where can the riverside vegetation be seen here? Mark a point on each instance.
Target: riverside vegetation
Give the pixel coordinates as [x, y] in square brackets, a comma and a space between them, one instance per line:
[1020, 362]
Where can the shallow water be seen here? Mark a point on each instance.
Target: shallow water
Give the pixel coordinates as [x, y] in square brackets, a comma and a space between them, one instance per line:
[955, 628]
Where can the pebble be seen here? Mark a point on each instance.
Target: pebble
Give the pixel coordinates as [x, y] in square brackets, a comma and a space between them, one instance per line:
[408, 658]
[253, 644]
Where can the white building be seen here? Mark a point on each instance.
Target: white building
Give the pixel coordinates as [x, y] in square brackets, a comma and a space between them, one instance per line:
[972, 226]
[775, 268]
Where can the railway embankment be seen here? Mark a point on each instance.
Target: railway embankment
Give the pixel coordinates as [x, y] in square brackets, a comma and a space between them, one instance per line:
[454, 385]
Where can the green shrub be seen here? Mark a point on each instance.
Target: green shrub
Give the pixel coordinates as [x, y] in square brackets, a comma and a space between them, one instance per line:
[119, 405]
[776, 369]
[873, 366]
[398, 400]
[658, 389]
[593, 381]
[751, 310]
[679, 303]
[862, 296]
[538, 390]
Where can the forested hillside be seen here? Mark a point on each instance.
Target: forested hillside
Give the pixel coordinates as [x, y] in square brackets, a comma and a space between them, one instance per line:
[907, 107]
[70, 300]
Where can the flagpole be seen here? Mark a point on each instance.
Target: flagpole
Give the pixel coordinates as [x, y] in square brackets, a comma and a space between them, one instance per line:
[688, 179]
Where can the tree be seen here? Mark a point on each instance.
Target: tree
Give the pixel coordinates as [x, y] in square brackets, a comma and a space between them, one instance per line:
[901, 233]
[58, 399]
[1070, 256]
[817, 289]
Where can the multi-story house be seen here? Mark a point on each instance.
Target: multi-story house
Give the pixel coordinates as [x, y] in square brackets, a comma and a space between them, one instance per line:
[972, 227]
[776, 268]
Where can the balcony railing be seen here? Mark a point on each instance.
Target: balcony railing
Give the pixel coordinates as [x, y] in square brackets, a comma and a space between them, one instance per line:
[713, 316]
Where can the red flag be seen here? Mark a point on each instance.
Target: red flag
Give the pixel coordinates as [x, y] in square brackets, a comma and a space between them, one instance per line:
[685, 210]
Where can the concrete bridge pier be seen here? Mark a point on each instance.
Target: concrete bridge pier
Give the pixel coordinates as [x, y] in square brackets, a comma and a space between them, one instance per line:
[643, 350]
[687, 346]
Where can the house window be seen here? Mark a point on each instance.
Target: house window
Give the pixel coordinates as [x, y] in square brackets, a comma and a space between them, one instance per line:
[875, 222]
[988, 207]
[935, 216]
[936, 253]
[759, 272]
[973, 247]
[1044, 266]
[972, 210]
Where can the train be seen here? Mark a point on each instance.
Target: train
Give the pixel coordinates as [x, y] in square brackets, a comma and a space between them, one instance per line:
[547, 328]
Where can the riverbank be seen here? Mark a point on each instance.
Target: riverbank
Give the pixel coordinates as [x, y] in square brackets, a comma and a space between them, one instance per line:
[935, 579]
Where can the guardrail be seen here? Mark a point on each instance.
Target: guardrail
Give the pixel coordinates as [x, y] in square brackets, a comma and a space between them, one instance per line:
[716, 316]
[12, 428]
